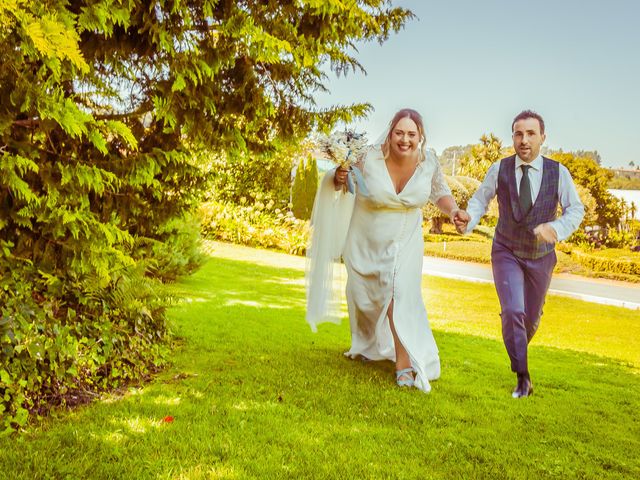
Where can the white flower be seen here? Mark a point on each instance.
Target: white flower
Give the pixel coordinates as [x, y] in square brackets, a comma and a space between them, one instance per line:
[343, 148]
[341, 151]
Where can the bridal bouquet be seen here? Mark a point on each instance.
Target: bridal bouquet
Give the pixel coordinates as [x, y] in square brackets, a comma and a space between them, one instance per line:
[345, 149]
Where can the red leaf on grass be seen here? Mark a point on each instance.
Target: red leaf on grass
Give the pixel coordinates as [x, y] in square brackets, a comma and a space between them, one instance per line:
[167, 419]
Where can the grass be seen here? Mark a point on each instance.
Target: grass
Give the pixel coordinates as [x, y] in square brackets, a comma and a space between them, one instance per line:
[254, 394]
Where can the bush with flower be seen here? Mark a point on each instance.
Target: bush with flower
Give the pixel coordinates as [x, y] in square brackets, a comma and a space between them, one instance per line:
[256, 225]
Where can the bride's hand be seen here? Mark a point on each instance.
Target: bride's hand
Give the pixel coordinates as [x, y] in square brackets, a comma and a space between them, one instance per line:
[340, 177]
[460, 219]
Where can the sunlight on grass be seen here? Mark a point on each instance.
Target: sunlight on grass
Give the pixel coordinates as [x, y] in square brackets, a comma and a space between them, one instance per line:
[205, 472]
[116, 397]
[115, 438]
[193, 299]
[473, 308]
[252, 393]
[246, 303]
[162, 400]
[140, 425]
[244, 406]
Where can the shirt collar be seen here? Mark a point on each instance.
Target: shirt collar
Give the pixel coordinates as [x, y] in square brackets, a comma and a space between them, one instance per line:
[536, 164]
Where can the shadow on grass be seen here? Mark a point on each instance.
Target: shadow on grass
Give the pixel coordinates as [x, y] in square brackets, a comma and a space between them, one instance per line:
[253, 393]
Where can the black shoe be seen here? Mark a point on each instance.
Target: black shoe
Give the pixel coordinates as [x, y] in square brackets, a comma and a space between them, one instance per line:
[524, 387]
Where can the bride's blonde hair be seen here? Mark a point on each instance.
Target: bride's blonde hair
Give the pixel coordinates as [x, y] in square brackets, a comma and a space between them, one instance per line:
[417, 119]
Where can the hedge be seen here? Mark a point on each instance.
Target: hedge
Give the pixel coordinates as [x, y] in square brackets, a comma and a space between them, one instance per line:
[611, 261]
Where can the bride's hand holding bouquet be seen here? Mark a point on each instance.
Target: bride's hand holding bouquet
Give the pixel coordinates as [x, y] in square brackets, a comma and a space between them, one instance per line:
[345, 149]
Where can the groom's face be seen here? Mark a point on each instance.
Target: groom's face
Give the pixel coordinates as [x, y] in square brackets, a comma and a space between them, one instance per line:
[527, 139]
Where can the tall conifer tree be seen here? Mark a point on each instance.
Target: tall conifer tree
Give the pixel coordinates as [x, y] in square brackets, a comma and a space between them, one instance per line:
[103, 104]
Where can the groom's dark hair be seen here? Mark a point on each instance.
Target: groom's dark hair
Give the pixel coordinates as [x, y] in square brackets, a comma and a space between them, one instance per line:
[529, 114]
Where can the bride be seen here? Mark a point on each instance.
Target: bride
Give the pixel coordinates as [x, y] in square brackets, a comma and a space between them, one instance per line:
[378, 232]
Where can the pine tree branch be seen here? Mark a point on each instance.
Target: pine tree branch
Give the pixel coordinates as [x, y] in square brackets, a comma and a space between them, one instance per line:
[35, 122]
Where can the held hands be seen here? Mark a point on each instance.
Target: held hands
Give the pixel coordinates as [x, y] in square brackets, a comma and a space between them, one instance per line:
[460, 219]
[545, 233]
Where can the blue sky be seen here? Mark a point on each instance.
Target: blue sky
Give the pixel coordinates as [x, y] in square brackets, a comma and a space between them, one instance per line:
[470, 66]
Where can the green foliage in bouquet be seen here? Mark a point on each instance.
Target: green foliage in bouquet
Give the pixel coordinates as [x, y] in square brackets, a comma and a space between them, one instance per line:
[105, 109]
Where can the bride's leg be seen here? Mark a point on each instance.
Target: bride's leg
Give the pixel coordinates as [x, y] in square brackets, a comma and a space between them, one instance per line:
[402, 357]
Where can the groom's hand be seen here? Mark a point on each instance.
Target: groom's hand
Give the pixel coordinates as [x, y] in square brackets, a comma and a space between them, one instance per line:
[546, 233]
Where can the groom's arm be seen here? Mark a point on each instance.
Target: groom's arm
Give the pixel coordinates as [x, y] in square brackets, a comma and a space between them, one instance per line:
[572, 207]
[479, 202]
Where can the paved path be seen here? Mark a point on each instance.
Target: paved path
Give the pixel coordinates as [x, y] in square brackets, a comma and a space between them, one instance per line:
[607, 292]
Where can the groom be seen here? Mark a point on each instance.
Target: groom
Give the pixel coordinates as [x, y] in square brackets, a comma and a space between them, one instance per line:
[529, 188]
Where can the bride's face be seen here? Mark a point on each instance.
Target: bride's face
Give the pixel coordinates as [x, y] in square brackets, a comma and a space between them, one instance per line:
[405, 138]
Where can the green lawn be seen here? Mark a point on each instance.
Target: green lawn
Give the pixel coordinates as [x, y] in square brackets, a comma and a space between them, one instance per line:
[254, 394]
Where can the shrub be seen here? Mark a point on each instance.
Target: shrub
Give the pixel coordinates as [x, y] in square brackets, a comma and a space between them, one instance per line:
[609, 261]
[480, 252]
[177, 249]
[304, 188]
[472, 251]
[256, 225]
[616, 240]
[449, 234]
[63, 339]
[265, 177]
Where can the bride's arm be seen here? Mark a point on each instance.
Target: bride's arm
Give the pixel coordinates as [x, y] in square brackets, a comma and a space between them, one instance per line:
[441, 193]
[447, 205]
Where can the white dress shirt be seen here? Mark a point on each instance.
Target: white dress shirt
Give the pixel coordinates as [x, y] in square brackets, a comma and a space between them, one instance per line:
[572, 208]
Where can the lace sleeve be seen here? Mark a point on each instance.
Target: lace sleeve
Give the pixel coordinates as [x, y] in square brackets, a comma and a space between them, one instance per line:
[439, 185]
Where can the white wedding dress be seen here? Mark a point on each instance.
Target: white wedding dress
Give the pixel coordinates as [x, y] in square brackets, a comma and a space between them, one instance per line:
[383, 253]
